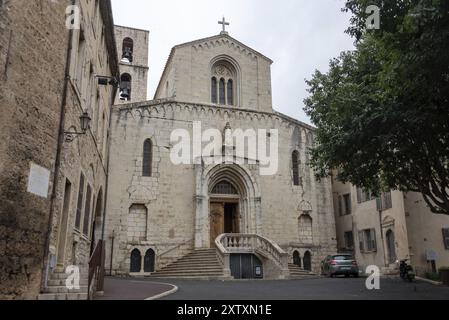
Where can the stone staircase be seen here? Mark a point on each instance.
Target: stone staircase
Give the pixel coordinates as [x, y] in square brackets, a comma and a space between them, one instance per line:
[298, 273]
[198, 265]
[391, 270]
[57, 289]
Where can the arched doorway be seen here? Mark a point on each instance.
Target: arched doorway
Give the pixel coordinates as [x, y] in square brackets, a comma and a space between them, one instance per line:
[391, 246]
[136, 261]
[308, 261]
[148, 263]
[243, 208]
[224, 209]
[297, 259]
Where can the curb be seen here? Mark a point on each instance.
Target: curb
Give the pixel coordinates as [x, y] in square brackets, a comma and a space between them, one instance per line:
[165, 294]
[435, 283]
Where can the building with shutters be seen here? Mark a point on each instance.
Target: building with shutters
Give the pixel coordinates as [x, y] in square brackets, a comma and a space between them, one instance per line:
[381, 230]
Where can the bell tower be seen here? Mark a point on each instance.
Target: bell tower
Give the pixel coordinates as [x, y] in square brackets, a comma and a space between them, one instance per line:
[132, 50]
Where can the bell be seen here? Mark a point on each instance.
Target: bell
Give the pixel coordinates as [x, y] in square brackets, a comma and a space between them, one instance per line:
[127, 55]
[124, 95]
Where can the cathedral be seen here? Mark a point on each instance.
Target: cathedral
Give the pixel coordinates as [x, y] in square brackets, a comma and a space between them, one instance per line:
[217, 213]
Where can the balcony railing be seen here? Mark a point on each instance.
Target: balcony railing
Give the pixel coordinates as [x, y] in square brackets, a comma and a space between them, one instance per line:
[228, 244]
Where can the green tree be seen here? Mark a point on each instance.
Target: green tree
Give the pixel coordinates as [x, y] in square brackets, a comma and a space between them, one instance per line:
[382, 110]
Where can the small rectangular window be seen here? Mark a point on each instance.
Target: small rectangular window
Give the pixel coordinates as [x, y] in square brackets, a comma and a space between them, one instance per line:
[347, 204]
[446, 238]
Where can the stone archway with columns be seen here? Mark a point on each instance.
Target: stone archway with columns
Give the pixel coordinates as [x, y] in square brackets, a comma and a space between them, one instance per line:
[249, 204]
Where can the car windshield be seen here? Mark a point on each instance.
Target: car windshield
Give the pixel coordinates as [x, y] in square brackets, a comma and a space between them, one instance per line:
[342, 258]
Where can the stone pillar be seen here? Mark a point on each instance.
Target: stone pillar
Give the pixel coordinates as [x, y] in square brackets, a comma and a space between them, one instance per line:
[199, 222]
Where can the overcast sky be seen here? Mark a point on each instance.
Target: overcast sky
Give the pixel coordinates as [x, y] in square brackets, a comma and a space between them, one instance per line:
[298, 35]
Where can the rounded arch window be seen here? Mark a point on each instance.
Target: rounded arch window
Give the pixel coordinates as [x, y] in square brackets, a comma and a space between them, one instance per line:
[127, 50]
[224, 83]
[125, 87]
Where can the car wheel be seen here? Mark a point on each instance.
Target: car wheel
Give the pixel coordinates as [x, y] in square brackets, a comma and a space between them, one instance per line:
[356, 275]
[346, 275]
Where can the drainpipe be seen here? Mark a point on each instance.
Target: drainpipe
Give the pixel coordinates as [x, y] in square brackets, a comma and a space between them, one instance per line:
[46, 258]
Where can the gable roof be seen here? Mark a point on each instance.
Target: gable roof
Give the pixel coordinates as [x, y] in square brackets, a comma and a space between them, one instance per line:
[222, 35]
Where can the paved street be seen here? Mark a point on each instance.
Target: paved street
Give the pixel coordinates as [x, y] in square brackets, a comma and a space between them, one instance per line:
[132, 289]
[314, 289]
[318, 289]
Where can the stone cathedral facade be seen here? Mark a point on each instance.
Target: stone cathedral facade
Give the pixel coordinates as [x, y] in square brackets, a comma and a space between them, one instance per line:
[158, 211]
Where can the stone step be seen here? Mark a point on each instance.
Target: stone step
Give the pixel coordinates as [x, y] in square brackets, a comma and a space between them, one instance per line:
[202, 256]
[194, 266]
[196, 278]
[199, 272]
[195, 262]
[208, 270]
[63, 276]
[64, 289]
[66, 296]
[61, 282]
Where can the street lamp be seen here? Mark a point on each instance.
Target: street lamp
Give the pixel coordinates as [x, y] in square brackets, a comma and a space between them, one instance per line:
[85, 120]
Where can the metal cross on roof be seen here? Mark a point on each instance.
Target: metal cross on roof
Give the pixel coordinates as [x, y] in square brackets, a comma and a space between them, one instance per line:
[224, 23]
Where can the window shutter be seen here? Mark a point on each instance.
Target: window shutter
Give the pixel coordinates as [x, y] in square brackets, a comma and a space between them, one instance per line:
[362, 241]
[446, 238]
[379, 204]
[373, 240]
[387, 201]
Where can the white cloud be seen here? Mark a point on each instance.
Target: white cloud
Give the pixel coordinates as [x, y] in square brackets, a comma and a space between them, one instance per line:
[298, 35]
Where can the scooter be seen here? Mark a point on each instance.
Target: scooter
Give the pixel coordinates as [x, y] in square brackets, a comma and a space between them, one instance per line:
[406, 271]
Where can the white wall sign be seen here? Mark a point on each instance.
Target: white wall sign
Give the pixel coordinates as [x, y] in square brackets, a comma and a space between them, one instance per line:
[431, 255]
[38, 180]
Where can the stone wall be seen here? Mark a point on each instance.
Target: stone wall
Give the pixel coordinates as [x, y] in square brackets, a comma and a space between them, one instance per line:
[33, 56]
[425, 233]
[170, 193]
[31, 87]
[138, 69]
[188, 73]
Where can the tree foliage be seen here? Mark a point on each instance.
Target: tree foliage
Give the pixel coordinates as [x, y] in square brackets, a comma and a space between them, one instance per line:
[382, 110]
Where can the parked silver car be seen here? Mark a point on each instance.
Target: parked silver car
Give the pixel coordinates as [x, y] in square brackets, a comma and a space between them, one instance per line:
[340, 264]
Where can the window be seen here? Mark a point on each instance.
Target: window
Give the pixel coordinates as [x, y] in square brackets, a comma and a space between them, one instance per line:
[214, 90]
[79, 206]
[224, 187]
[147, 164]
[149, 261]
[347, 204]
[125, 87]
[224, 83]
[127, 50]
[136, 261]
[364, 196]
[349, 240]
[384, 202]
[446, 238]
[222, 91]
[296, 161]
[367, 240]
[344, 205]
[230, 92]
